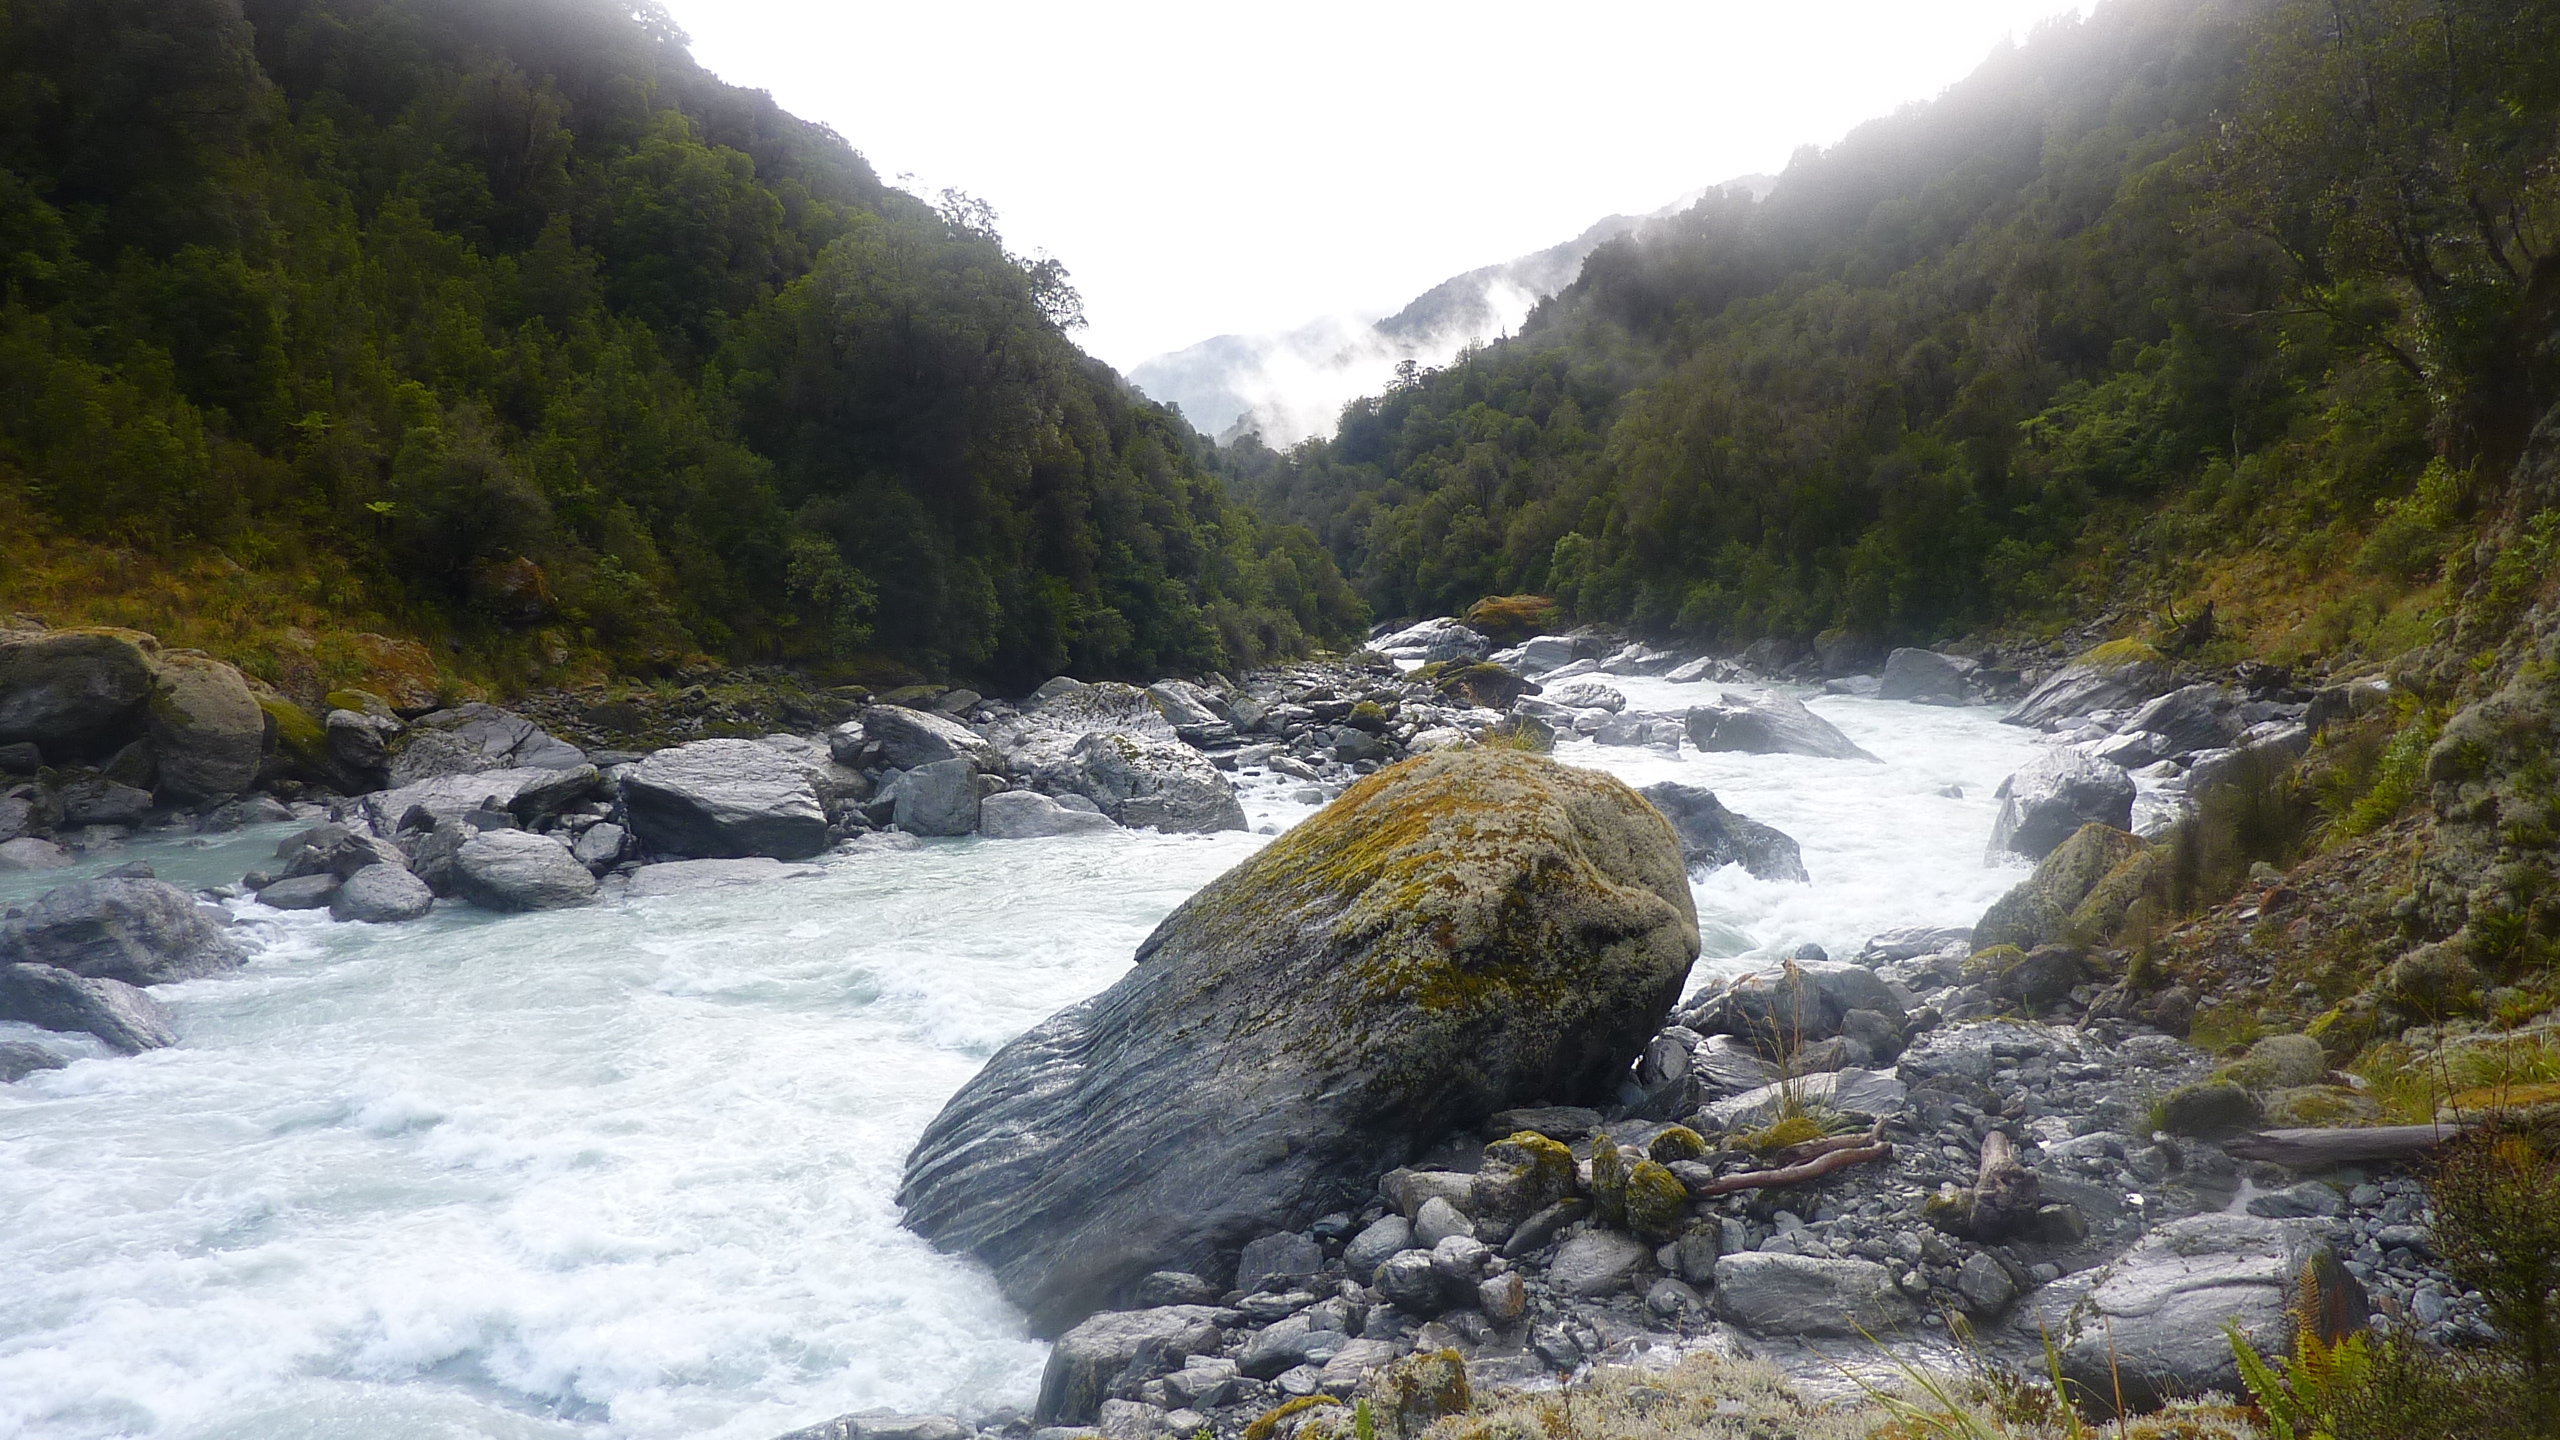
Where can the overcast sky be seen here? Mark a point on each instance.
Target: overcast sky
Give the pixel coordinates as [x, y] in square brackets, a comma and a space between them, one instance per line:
[1205, 169]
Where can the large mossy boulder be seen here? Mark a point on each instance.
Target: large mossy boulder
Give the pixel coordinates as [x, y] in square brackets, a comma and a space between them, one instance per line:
[205, 725]
[1460, 934]
[2042, 906]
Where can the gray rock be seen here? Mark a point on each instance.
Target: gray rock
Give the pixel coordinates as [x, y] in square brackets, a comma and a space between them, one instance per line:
[909, 739]
[2104, 679]
[1434, 640]
[2306, 1201]
[100, 801]
[517, 870]
[1534, 1233]
[53, 999]
[337, 851]
[1768, 724]
[301, 892]
[1277, 1262]
[1175, 1287]
[1028, 815]
[1437, 1220]
[27, 854]
[382, 895]
[359, 745]
[17, 815]
[1287, 1344]
[474, 738]
[1712, 836]
[1567, 1123]
[1129, 1420]
[2190, 718]
[725, 799]
[20, 1059]
[1865, 1091]
[67, 690]
[601, 846]
[1985, 1284]
[2052, 796]
[1770, 1293]
[684, 877]
[142, 932]
[1808, 1002]
[883, 1425]
[1924, 675]
[1587, 695]
[1671, 1299]
[205, 727]
[1409, 1281]
[1141, 782]
[1090, 1356]
[1186, 706]
[2154, 1319]
[1597, 1262]
[526, 794]
[1202, 1381]
[1352, 1364]
[1387, 1236]
[2266, 750]
[940, 798]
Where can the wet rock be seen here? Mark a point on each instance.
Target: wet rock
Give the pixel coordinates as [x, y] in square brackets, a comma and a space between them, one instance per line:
[1027, 815]
[1141, 782]
[683, 877]
[908, 738]
[336, 850]
[1924, 675]
[1597, 1262]
[97, 800]
[2190, 718]
[300, 892]
[601, 846]
[1768, 724]
[515, 870]
[474, 738]
[382, 895]
[2116, 676]
[1770, 1293]
[19, 1059]
[725, 799]
[27, 854]
[1712, 836]
[1090, 1356]
[142, 932]
[54, 999]
[1456, 865]
[2051, 797]
[937, 799]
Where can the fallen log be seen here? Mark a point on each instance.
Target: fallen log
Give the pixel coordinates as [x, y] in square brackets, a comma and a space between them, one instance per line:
[2312, 1149]
[2005, 1192]
[1813, 1169]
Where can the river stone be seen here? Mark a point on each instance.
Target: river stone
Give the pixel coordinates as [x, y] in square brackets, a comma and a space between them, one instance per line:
[142, 932]
[1768, 724]
[28, 854]
[2040, 907]
[1771, 1293]
[1141, 782]
[1597, 1262]
[518, 870]
[601, 846]
[301, 892]
[1388, 1235]
[1458, 934]
[1923, 675]
[1437, 1220]
[1712, 836]
[381, 894]
[72, 692]
[1029, 815]
[469, 739]
[20, 1059]
[1408, 1281]
[909, 738]
[938, 799]
[2154, 1318]
[205, 727]
[55, 999]
[723, 799]
[526, 794]
[1090, 1356]
[2051, 797]
[1276, 1262]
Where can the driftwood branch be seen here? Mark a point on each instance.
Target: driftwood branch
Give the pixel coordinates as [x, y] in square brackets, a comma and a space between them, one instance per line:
[1810, 1149]
[1813, 1169]
[2313, 1149]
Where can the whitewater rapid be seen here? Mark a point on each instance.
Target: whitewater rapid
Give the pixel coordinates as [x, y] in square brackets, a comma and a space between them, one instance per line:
[629, 1171]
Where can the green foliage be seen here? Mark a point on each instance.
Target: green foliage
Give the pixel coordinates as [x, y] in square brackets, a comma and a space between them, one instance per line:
[543, 330]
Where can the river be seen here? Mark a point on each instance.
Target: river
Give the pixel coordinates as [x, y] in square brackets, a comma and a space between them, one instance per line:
[628, 1171]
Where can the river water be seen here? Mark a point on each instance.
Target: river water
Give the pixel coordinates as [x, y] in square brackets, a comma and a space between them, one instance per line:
[628, 1171]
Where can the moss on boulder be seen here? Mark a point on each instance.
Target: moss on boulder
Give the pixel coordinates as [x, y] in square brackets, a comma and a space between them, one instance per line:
[2042, 906]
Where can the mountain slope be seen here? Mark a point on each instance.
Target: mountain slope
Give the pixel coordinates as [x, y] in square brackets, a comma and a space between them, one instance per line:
[502, 324]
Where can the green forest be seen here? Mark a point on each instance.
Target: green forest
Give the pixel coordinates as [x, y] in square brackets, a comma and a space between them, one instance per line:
[2189, 301]
[500, 324]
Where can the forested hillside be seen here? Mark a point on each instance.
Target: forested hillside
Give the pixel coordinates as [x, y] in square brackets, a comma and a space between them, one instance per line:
[2189, 301]
[502, 325]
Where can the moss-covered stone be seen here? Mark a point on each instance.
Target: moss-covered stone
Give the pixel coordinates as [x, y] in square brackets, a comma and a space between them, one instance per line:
[1654, 1198]
[2041, 907]
[2432, 982]
[2210, 1110]
[2278, 1062]
[1679, 1142]
[1609, 1182]
[1510, 619]
[1419, 1389]
[204, 724]
[1483, 683]
[1521, 1175]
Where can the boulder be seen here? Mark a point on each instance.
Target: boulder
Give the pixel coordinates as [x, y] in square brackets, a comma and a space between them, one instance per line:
[1434, 641]
[1597, 1262]
[527, 794]
[1089, 1357]
[469, 739]
[1542, 653]
[335, 849]
[205, 727]
[1481, 683]
[99, 800]
[54, 999]
[73, 693]
[2118, 675]
[2190, 718]
[601, 846]
[909, 738]
[1911, 674]
[518, 870]
[683, 877]
[2051, 797]
[142, 932]
[358, 745]
[725, 798]
[1186, 706]
[2040, 907]
[27, 853]
[2266, 751]
[1768, 724]
[937, 799]
[1801, 1001]
[2153, 1321]
[1712, 836]
[1029, 815]
[883, 1425]
[1141, 782]
[20, 1059]
[302, 892]
[1459, 934]
[1770, 1293]
[1278, 1262]
[1388, 1235]
[1586, 695]
[381, 894]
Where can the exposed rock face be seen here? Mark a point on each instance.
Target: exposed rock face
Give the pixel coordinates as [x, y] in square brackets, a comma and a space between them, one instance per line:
[518, 870]
[1924, 675]
[2115, 676]
[724, 798]
[55, 999]
[2052, 796]
[468, 739]
[1777, 1294]
[1140, 782]
[2159, 1310]
[1768, 724]
[205, 727]
[1027, 814]
[1459, 934]
[908, 738]
[142, 932]
[1712, 836]
[68, 691]
[2041, 907]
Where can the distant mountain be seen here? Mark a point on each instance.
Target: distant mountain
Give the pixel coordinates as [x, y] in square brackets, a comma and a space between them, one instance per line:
[1292, 385]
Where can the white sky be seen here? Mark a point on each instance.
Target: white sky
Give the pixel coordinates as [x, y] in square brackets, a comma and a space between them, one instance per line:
[1209, 168]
